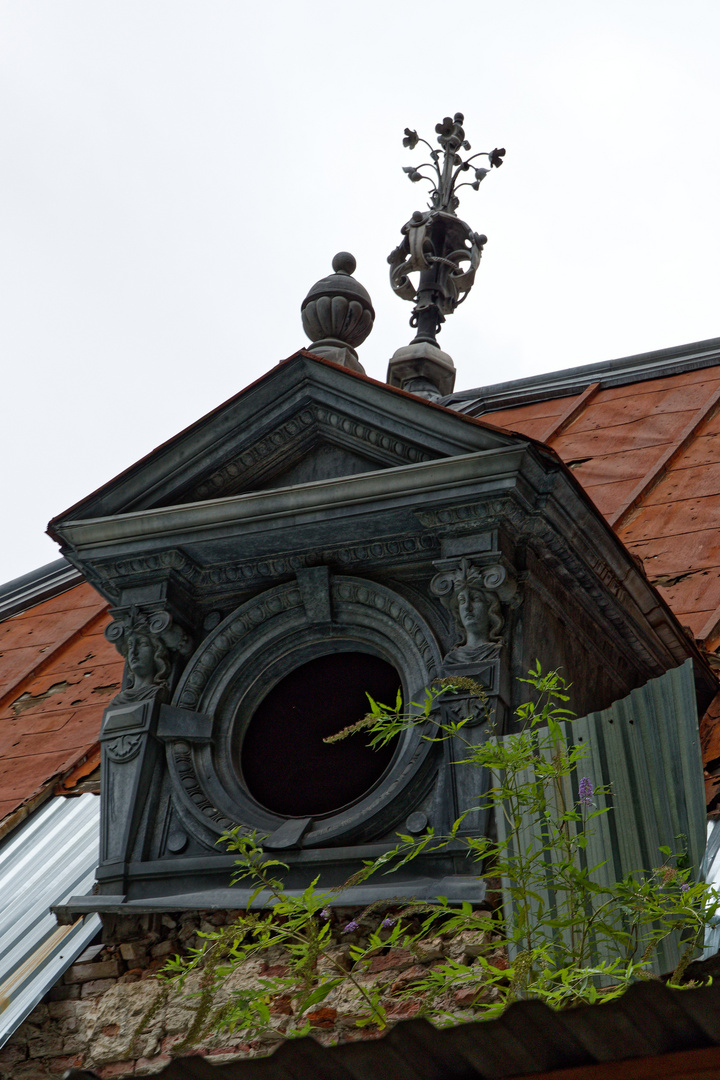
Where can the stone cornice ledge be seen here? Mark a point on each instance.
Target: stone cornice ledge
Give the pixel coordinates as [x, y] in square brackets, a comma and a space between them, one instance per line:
[404, 483]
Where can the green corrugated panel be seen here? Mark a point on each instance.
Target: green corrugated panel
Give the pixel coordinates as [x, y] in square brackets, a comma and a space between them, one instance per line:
[646, 748]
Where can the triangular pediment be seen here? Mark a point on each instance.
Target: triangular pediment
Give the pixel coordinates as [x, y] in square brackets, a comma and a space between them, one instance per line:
[306, 420]
[322, 461]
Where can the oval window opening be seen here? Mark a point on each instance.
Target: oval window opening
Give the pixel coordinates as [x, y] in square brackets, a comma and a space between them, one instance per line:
[285, 763]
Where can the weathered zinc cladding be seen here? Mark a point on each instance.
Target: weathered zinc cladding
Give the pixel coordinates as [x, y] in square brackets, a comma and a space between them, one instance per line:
[646, 749]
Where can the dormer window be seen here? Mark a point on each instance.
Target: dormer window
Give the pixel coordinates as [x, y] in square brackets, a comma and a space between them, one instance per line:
[283, 760]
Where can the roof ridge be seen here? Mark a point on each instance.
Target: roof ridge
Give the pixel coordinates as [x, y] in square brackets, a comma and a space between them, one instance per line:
[638, 367]
[42, 584]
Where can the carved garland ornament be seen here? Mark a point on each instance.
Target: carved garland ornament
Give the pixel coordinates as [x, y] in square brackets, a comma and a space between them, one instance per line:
[124, 747]
[185, 770]
[358, 593]
[232, 633]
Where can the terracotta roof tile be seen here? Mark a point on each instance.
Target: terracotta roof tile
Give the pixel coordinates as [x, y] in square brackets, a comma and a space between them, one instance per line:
[704, 450]
[57, 691]
[695, 590]
[675, 518]
[656, 442]
[657, 430]
[612, 468]
[535, 428]
[57, 673]
[648, 454]
[710, 730]
[663, 556]
[547, 409]
[701, 480]
[607, 496]
[38, 629]
[620, 439]
[669, 382]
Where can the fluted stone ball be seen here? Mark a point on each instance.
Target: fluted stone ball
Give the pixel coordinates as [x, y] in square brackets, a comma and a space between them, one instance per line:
[338, 308]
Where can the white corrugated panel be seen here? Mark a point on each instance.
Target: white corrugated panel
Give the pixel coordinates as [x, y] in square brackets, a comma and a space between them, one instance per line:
[711, 870]
[50, 857]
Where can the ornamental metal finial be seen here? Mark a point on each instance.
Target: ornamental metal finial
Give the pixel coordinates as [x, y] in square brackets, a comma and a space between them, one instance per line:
[444, 250]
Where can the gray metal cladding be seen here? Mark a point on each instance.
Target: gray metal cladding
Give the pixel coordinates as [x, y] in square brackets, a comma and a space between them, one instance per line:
[646, 748]
[52, 855]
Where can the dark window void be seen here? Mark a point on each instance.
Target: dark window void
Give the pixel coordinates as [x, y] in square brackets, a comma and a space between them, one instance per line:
[285, 763]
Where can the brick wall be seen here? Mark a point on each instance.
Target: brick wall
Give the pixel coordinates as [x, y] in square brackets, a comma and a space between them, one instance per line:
[90, 1017]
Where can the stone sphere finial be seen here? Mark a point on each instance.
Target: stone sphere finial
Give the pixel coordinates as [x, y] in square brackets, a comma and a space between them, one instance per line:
[337, 314]
[344, 263]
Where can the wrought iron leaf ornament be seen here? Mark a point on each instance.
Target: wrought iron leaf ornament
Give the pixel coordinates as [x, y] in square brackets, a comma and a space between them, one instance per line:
[443, 177]
[444, 250]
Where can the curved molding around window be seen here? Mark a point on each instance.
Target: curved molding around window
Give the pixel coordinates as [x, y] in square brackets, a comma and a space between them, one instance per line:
[241, 675]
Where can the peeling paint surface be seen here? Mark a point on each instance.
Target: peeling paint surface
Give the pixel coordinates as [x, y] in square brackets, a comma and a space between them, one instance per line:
[659, 441]
[57, 673]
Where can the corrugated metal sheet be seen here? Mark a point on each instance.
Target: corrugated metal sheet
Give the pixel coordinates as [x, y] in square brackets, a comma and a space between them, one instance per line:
[53, 854]
[670, 1033]
[711, 873]
[646, 747]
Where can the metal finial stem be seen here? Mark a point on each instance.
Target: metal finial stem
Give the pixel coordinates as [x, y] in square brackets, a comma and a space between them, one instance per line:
[442, 248]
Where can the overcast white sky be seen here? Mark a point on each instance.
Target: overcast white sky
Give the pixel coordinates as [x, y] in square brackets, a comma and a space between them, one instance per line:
[175, 175]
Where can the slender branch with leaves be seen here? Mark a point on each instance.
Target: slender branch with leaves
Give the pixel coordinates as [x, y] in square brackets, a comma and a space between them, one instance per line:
[548, 929]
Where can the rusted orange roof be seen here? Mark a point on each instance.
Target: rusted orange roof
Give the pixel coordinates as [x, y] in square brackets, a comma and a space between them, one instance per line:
[57, 672]
[646, 449]
[648, 454]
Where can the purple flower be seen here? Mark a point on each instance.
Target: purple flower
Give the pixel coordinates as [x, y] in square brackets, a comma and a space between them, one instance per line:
[585, 791]
[352, 925]
[684, 887]
[389, 922]
[325, 914]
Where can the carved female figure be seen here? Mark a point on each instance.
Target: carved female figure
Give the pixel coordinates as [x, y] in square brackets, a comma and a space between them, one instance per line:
[148, 644]
[476, 609]
[149, 665]
[479, 614]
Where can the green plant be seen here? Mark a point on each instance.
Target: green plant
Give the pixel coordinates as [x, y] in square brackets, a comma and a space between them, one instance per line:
[549, 930]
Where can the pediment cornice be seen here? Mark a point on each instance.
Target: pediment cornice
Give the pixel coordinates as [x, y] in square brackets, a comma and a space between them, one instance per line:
[259, 460]
[251, 440]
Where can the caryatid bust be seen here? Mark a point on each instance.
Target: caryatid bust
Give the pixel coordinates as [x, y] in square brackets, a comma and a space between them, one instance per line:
[147, 643]
[468, 592]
